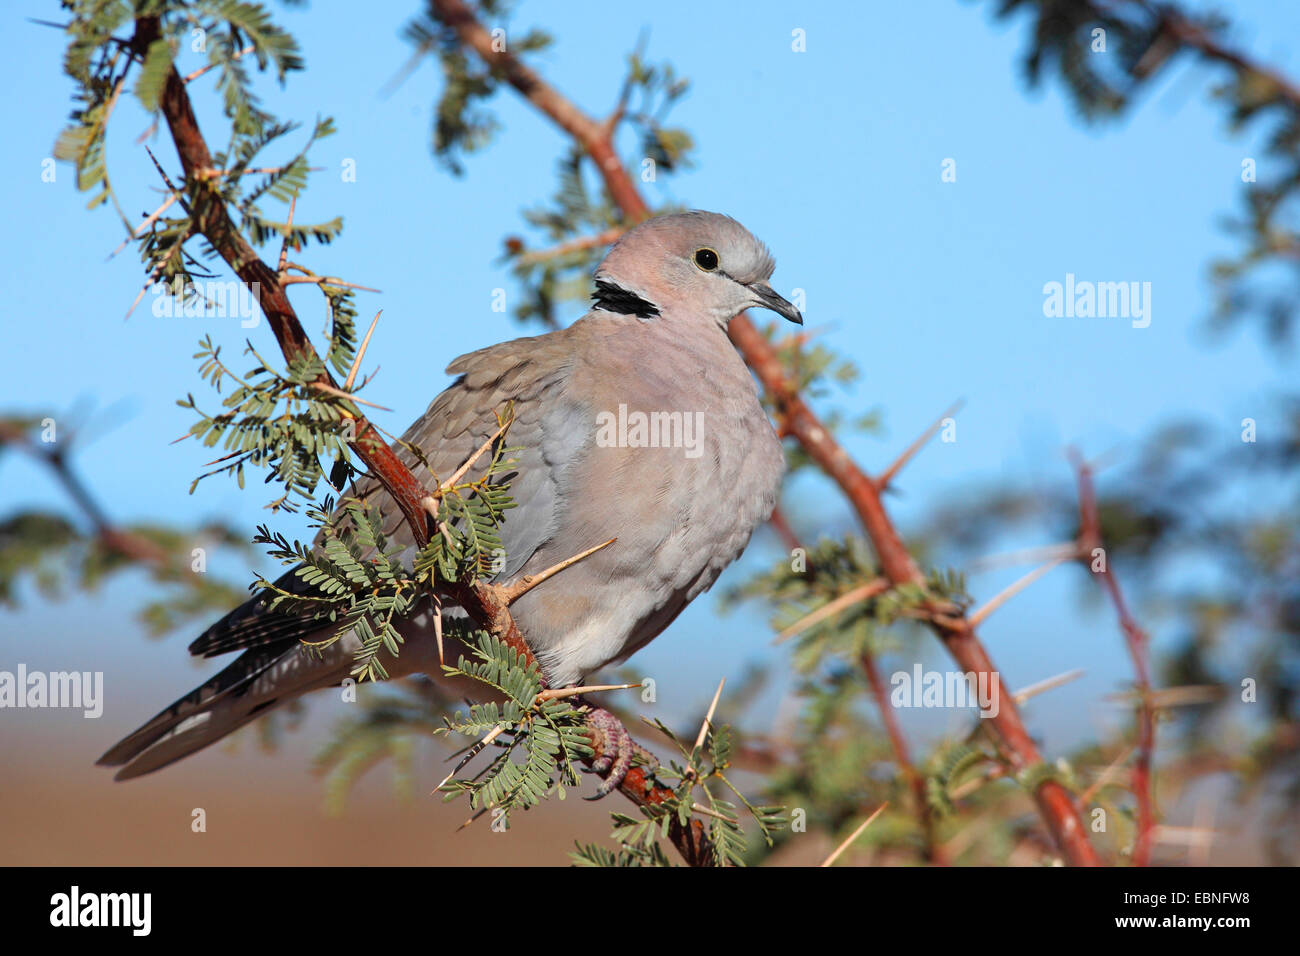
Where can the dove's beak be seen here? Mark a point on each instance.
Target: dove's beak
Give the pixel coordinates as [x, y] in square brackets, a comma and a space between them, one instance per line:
[768, 298]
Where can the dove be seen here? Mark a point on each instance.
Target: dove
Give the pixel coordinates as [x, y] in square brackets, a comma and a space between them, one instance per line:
[639, 422]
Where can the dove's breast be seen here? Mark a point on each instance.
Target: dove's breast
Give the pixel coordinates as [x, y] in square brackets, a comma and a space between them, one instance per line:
[679, 463]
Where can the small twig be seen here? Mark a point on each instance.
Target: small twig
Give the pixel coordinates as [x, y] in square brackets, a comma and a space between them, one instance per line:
[474, 816]
[260, 171]
[1192, 695]
[474, 750]
[356, 362]
[610, 125]
[709, 812]
[430, 502]
[331, 390]
[597, 241]
[1025, 556]
[191, 77]
[708, 717]
[1106, 776]
[215, 461]
[839, 850]
[1011, 590]
[1051, 683]
[1191, 837]
[325, 280]
[1027, 693]
[469, 463]
[153, 216]
[560, 693]
[437, 626]
[527, 582]
[910, 451]
[963, 790]
[148, 221]
[864, 592]
[400, 77]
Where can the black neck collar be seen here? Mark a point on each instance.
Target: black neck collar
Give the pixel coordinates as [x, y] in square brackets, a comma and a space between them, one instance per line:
[612, 298]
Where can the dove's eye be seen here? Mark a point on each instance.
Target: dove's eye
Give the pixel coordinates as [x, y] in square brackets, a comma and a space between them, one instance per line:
[706, 259]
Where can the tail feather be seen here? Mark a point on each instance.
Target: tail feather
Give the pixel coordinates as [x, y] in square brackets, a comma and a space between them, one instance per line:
[254, 624]
[256, 680]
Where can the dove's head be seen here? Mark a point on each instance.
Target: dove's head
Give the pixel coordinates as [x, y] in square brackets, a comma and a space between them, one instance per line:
[699, 263]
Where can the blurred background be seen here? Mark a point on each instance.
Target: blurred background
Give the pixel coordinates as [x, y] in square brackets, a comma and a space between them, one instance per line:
[921, 171]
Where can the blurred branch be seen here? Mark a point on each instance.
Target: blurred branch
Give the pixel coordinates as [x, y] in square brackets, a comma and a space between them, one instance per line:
[934, 851]
[1193, 36]
[538, 256]
[1136, 639]
[133, 547]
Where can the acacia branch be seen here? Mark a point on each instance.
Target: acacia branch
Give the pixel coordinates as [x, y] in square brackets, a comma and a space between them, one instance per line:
[1054, 801]
[212, 220]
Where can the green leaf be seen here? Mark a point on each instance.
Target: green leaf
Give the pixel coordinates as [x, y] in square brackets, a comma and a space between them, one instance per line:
[153, 75]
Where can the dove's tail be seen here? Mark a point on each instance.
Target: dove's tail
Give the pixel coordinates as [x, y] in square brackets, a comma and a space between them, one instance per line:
[259, 679]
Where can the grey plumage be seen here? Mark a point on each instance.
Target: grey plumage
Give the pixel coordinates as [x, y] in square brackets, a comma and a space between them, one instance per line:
[655, 343]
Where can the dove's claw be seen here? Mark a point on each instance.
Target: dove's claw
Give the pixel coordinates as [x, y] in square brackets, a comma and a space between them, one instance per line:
[615, 750]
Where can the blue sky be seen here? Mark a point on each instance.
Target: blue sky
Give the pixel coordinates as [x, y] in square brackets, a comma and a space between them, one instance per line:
[832, 156]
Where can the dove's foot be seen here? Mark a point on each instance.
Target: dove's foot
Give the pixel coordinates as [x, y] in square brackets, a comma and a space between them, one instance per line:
[615, 751]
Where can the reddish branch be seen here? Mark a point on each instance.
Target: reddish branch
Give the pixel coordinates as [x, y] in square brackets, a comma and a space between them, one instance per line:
[1054, 802]
[213, 221]
[1137, 641]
